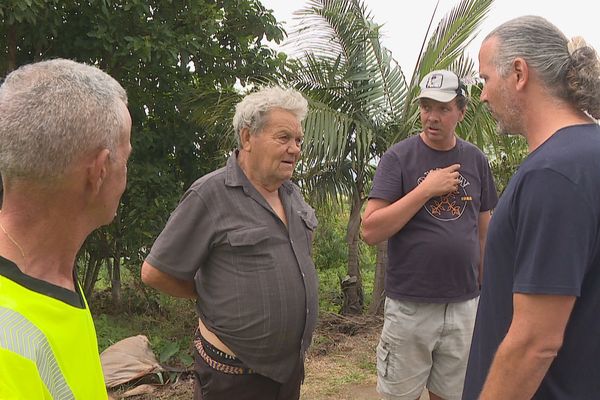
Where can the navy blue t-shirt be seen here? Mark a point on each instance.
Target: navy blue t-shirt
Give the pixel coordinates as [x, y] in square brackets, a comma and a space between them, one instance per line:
[544, 238]
[435, 257]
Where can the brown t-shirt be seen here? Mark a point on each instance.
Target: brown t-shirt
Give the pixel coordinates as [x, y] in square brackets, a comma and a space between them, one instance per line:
[255, 278]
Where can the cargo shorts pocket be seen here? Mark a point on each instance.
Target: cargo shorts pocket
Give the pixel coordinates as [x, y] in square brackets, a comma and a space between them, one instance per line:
[383, 358]
[399, 311]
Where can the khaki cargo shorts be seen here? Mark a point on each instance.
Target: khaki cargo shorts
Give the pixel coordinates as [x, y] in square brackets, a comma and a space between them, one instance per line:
[424, 345]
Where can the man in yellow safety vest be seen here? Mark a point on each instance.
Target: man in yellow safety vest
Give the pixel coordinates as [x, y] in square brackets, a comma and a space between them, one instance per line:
[64, 144]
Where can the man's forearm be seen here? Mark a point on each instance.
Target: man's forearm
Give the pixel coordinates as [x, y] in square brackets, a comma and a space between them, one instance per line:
[385, 222]
[516, 372]
[167, 283]
[533, 340]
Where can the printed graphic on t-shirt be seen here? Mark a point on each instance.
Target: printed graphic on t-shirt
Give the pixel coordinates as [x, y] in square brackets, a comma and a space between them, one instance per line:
[449, 206]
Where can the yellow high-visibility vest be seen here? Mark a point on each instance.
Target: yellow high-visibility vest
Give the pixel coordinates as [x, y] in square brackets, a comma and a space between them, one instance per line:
[48, 346]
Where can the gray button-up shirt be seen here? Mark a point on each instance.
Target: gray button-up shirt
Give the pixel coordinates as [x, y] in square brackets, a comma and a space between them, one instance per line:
[255, 278]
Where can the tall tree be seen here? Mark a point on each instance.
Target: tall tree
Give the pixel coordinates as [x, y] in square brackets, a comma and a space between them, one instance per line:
[160, 51]
[361, 102]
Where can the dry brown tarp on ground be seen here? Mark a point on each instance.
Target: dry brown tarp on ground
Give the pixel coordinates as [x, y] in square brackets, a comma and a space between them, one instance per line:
[128, 360]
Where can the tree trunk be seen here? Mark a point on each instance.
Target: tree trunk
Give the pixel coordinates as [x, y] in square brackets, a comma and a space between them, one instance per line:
[376, 307]
[115, 244]
[116, 282]
[11, 38]
[91, 275]
[352, 284]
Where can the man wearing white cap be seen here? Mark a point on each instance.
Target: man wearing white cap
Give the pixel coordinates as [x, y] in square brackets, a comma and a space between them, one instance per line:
[431, 199]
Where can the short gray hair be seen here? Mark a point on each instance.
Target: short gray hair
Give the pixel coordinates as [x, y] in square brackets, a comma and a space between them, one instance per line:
[53, 112]
[569, 73]
[251, 111]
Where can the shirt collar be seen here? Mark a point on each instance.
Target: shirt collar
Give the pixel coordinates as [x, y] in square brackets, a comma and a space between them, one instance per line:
[235, 176]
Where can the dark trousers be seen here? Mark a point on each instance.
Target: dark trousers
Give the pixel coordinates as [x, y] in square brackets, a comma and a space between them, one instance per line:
[210, 384]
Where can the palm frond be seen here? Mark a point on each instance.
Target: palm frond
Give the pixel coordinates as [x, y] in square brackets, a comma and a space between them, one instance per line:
[453, 34]
[445, 50]
[360, 101]
[213, 108]
[328, 184]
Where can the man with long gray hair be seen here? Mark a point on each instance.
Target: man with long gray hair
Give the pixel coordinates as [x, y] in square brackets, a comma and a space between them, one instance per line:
[64, 145]
[536, 333]
[240, 242]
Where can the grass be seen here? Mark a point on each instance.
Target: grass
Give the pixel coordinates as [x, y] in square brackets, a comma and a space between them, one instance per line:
[338, 367]
[168, 323]
[340, 361]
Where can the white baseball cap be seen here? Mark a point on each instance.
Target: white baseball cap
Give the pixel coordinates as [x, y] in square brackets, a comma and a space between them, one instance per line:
[441, 85]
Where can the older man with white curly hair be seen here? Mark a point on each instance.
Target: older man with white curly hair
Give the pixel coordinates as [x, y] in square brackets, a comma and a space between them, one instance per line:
[240, 242]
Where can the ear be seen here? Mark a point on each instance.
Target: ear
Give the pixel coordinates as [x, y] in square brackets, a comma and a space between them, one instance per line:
[462, 111]
[97, 170]
[245, 139]
[521, 71]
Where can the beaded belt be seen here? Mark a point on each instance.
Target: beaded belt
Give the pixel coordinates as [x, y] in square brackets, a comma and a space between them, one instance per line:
[204, 347]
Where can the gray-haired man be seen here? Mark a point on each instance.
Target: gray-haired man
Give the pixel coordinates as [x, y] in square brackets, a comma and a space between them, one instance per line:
[64, 145]
[537, 328]
[240, 242]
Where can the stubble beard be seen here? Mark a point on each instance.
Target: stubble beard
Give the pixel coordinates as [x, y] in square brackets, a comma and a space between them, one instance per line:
[509, 119]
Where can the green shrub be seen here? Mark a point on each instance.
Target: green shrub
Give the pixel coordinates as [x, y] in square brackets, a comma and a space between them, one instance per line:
[331, 254]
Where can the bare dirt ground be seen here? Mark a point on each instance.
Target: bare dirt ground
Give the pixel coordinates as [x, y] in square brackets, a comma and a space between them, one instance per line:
[340, 364]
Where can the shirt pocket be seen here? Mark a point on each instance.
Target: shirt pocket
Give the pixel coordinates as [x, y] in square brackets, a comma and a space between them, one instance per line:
[309, 218]
[251, 248]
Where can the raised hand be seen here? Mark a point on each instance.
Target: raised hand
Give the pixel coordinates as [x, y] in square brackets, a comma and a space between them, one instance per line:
[441, 181]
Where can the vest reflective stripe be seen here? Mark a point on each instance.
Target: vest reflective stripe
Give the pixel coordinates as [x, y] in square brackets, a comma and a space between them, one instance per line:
[22, 337]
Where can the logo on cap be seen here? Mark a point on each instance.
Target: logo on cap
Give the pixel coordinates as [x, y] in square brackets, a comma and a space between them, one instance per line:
[435, 81]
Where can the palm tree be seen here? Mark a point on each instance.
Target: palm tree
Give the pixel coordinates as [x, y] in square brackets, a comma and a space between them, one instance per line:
[361, 102]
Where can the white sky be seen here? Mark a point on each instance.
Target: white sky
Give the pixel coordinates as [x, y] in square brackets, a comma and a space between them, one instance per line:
[405, 22]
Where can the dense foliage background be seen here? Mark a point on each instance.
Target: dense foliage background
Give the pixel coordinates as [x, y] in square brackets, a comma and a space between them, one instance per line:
[184, 64]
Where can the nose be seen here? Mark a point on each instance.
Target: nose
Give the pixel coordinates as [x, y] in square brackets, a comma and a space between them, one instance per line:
[432, 116]
[294, 147]
[483, 96]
